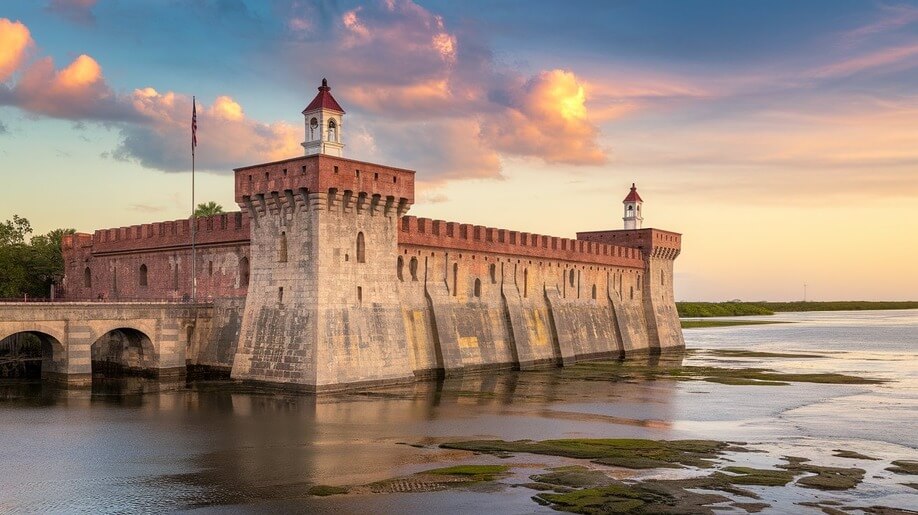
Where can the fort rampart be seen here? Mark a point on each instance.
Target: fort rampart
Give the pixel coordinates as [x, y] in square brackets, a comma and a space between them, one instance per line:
[323, 281]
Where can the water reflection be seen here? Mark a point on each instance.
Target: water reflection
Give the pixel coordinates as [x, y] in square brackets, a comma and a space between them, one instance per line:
[196, 443]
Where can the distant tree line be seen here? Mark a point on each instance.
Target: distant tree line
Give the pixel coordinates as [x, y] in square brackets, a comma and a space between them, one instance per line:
[29, 266]
[738, 308]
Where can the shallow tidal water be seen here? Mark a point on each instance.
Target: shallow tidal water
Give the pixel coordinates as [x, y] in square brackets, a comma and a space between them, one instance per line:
[203, 447]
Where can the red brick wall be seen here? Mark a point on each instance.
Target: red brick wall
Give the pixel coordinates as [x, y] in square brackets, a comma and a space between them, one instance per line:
[114, 258]
[319, 173]
[475, 238]
[645, 239]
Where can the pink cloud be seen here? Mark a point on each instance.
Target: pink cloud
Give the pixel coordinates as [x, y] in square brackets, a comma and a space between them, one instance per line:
[15, 41]
[78, 91]
[226, 136]
[902, 56]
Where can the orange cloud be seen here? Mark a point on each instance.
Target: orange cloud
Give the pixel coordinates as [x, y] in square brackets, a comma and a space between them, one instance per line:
[226, 137]
[15, 41]
[77, 91]
[548, 119]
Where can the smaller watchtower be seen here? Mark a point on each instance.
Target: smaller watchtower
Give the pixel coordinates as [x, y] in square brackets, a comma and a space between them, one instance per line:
[324, 124]
[633, 218]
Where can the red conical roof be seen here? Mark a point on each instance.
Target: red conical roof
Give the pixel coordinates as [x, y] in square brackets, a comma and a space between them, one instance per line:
[633, 196]
[324, 100]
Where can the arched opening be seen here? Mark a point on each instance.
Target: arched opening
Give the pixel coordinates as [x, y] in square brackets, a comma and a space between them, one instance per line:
[243, 272]
[413, 268]
[525, 282]
[477, 290]
[571, 277]
[632, 292]
[493, 273]
[361, 249]
[455, 279]
[313, 128]
[282, 248]
[332, 131]
[123, 351]
[87, 278]
[662, 278]
[143, 275]
[594, 292]
[399, 265]
[175, 278]
[28, 354]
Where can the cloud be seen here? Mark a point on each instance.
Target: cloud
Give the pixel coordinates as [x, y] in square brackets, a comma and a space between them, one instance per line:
[15, 41]
[77, 11]
[892, 17]
[76, 92]
[226, 137]
[395, 60]
[547, 118]
[898, 56]
[3, 128]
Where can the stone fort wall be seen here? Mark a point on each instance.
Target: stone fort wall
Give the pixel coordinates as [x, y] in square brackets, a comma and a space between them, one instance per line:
[323, 281]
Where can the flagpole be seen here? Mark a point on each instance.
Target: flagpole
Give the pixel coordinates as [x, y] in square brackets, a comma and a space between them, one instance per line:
[194, 218]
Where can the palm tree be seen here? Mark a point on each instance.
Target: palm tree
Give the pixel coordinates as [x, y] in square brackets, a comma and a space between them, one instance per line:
[208, 209]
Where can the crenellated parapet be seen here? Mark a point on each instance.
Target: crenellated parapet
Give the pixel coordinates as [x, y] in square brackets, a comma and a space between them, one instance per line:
[476, 238]
[323, 182]
[655, 243]
[225, 228]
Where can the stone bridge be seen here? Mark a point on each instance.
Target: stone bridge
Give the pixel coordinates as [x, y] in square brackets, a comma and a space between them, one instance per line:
[82, 338]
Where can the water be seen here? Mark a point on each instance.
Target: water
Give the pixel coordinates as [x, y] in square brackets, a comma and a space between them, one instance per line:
[136, 445]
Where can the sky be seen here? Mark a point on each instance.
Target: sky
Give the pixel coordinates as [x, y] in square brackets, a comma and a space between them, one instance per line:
[780, 138]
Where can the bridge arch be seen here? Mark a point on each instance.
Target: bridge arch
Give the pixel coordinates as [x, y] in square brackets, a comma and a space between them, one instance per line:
[19, 349]
[123, 350]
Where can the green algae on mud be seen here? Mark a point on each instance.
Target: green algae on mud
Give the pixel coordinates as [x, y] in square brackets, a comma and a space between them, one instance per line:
[825, 478]
[625, 370]
[842, 453]
[622, 452]
[471, 472]
[904, 467]
[738, 353]
[326, 490]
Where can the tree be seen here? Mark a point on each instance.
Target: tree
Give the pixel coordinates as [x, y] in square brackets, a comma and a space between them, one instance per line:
[29, 268]
[208, 209]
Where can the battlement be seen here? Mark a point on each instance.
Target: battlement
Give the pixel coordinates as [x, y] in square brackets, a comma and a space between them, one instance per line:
[283, 180]
[654, 242]
[476, 238]
[76, 240]
[217, 229]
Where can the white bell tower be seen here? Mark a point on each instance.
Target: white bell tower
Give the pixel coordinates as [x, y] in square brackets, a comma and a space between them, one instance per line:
[633, 217]
[324, 124]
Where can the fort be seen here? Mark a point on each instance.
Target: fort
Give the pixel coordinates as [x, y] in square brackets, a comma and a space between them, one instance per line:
[323, 281]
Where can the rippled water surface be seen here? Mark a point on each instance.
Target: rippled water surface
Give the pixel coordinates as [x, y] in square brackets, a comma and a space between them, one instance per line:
[216, 446]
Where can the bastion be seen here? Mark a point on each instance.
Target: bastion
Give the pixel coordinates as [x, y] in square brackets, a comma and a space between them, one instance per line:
[323, 281]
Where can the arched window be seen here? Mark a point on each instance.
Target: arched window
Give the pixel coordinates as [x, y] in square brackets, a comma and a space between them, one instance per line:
[361, 249]
[413, 268]
[87, 278]
[282, 248]
[571, 275]
[244, 272]
[143, 275]
[477, 290]
[493, 273]
[332, 130]
[175, 278]
[662, 279]
[313, 128]
[594, 292]
[639, 282]
[400, 264]
[455, 278]
[630, 208]
[525, 282]
[632, 293]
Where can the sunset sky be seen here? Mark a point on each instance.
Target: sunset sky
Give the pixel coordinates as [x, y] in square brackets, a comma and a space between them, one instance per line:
[781, 138]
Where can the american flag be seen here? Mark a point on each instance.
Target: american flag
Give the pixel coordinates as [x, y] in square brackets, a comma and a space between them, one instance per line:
[194, 125]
